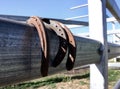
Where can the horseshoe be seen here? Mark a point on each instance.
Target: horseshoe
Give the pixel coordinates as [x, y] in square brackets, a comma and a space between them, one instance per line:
[71, 48]
[37, 22]
[62, 41]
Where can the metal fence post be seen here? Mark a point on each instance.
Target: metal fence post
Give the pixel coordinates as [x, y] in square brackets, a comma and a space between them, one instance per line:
[97, 28]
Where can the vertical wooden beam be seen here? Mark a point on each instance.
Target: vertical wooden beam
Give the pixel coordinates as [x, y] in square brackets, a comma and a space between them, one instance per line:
[97, 26]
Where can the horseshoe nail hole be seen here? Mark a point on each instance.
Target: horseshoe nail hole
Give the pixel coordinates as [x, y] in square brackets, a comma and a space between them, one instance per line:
[56, 26]
[62, 34]
[59, 29]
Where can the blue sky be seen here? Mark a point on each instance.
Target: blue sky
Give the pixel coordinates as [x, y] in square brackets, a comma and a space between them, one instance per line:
[43, 8]
[47, 8]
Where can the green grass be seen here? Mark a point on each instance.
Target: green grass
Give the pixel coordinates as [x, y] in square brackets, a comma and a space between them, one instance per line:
[113, 77]
[33, 85]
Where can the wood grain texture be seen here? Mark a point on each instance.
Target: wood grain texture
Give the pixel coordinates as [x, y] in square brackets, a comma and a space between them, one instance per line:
[20, 52]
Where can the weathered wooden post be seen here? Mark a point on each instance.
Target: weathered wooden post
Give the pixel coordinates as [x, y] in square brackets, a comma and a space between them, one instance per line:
[20, 51]
[97, 26]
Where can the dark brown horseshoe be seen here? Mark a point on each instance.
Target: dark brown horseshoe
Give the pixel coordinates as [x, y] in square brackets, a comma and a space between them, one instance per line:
[62, 41]
[58, 27]
[37, 22]
[71, 48]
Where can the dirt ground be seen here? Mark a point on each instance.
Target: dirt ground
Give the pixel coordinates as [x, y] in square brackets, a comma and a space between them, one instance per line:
[75, 82]
[75, 79]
